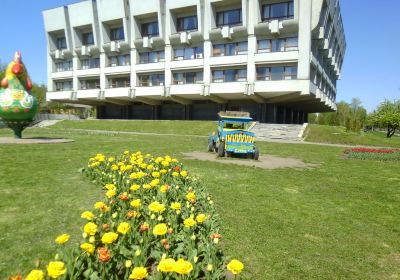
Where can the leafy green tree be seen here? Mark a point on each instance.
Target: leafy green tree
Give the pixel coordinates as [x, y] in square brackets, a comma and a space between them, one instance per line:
[387, 116]
[312, 118]
[350, 115]
[2, 70]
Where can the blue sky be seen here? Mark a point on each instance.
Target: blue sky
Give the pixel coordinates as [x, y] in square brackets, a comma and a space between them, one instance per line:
[371, 69]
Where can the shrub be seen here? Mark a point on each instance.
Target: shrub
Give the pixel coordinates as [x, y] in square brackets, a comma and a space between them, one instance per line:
[156, 222]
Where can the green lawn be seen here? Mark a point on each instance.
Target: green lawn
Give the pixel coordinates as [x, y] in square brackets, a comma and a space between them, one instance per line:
[339, 220]
[339, 135]
[167, 127]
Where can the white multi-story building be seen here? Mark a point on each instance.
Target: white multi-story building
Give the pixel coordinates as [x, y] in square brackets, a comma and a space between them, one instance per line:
[189, 59]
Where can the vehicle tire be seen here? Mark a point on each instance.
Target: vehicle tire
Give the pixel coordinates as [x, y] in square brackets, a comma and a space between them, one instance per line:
[210, 145]
[256, 154]
[221, 149]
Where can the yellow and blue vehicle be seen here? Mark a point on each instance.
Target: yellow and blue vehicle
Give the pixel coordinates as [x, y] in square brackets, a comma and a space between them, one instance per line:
[233, 136]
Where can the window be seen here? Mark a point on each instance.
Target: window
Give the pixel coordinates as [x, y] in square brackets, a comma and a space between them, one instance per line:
[188, 53]
[186, 23]
[230, 18]
[229, 75]
[61, 43]
[230, 49]
[117, 34]
[90, 63]
[151, 80]
[120, 60]
[119, 82]
[278, 45]
[90, 84]
[290, 73]
[150, 29]
[278, 11]
[264, 46]
[151, 57]
[187, 78]
[64, 86]
[87, 39]
[291, 44]
[64, 66]
[276, 73]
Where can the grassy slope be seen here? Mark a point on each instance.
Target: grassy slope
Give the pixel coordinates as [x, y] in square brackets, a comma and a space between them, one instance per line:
[167, 127]
[338, 135]
[339, 220]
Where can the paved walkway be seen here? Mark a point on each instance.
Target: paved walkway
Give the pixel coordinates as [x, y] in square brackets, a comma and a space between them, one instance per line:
[96, 131]
[34, 140]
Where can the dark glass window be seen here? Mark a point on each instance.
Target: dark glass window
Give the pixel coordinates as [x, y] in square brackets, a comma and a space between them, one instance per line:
[229, 75]
[117, 34]
[63, 86]
[87, 39]
[188, 78]
[290, 73]
[119, 82]
[61, 43]
[278, 45]
[151, 57]
[120, 60]
[276, 73]
[90, 63]
[64, 66]
[230, 49]
[188, 53]
[187, 23]
[90, 84]
[151, 80]
[278, 10]
[150, 29]
[231, 17]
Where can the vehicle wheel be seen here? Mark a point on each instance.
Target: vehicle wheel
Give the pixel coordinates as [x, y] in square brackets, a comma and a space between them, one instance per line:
[228, 154]
[210, 146]
[221, 149]
[256, 154]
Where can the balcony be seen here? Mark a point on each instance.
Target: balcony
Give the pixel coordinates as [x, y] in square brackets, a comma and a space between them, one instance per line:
[149, 36]
[92, 94]
[61, 96]
[187, 30]
[122, 93]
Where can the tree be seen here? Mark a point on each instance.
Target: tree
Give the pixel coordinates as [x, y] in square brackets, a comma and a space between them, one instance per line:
[387, 115]
[2, 70]
[352, 116]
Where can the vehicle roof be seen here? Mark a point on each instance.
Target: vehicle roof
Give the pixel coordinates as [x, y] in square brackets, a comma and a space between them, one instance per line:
[235, 119]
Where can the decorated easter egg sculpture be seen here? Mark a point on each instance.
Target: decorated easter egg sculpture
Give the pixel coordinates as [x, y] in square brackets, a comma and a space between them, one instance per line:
[17, 106]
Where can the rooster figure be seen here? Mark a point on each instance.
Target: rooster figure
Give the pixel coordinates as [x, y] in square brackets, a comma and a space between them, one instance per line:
[17, 106]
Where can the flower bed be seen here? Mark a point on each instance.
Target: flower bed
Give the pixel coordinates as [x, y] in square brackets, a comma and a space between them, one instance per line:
[374, 154]
[156, 222]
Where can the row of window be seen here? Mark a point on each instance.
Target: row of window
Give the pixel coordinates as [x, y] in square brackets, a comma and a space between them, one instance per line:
[187, 53]
[190, 23]
[264, 73]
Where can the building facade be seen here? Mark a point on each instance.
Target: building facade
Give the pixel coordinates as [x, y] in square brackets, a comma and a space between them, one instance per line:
[189, 59]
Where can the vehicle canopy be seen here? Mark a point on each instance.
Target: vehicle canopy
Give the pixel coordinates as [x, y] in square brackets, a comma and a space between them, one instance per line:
[234, 120]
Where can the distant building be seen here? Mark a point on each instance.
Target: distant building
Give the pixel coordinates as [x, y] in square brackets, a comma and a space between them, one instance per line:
[189, 59]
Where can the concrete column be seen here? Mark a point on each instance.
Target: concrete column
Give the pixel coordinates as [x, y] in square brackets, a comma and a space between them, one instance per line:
[102, 74]
[133, 68]
[50, 83]
[303, 69]
[168, 59]
[252, 49]
[75, 81]
[207, 70]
